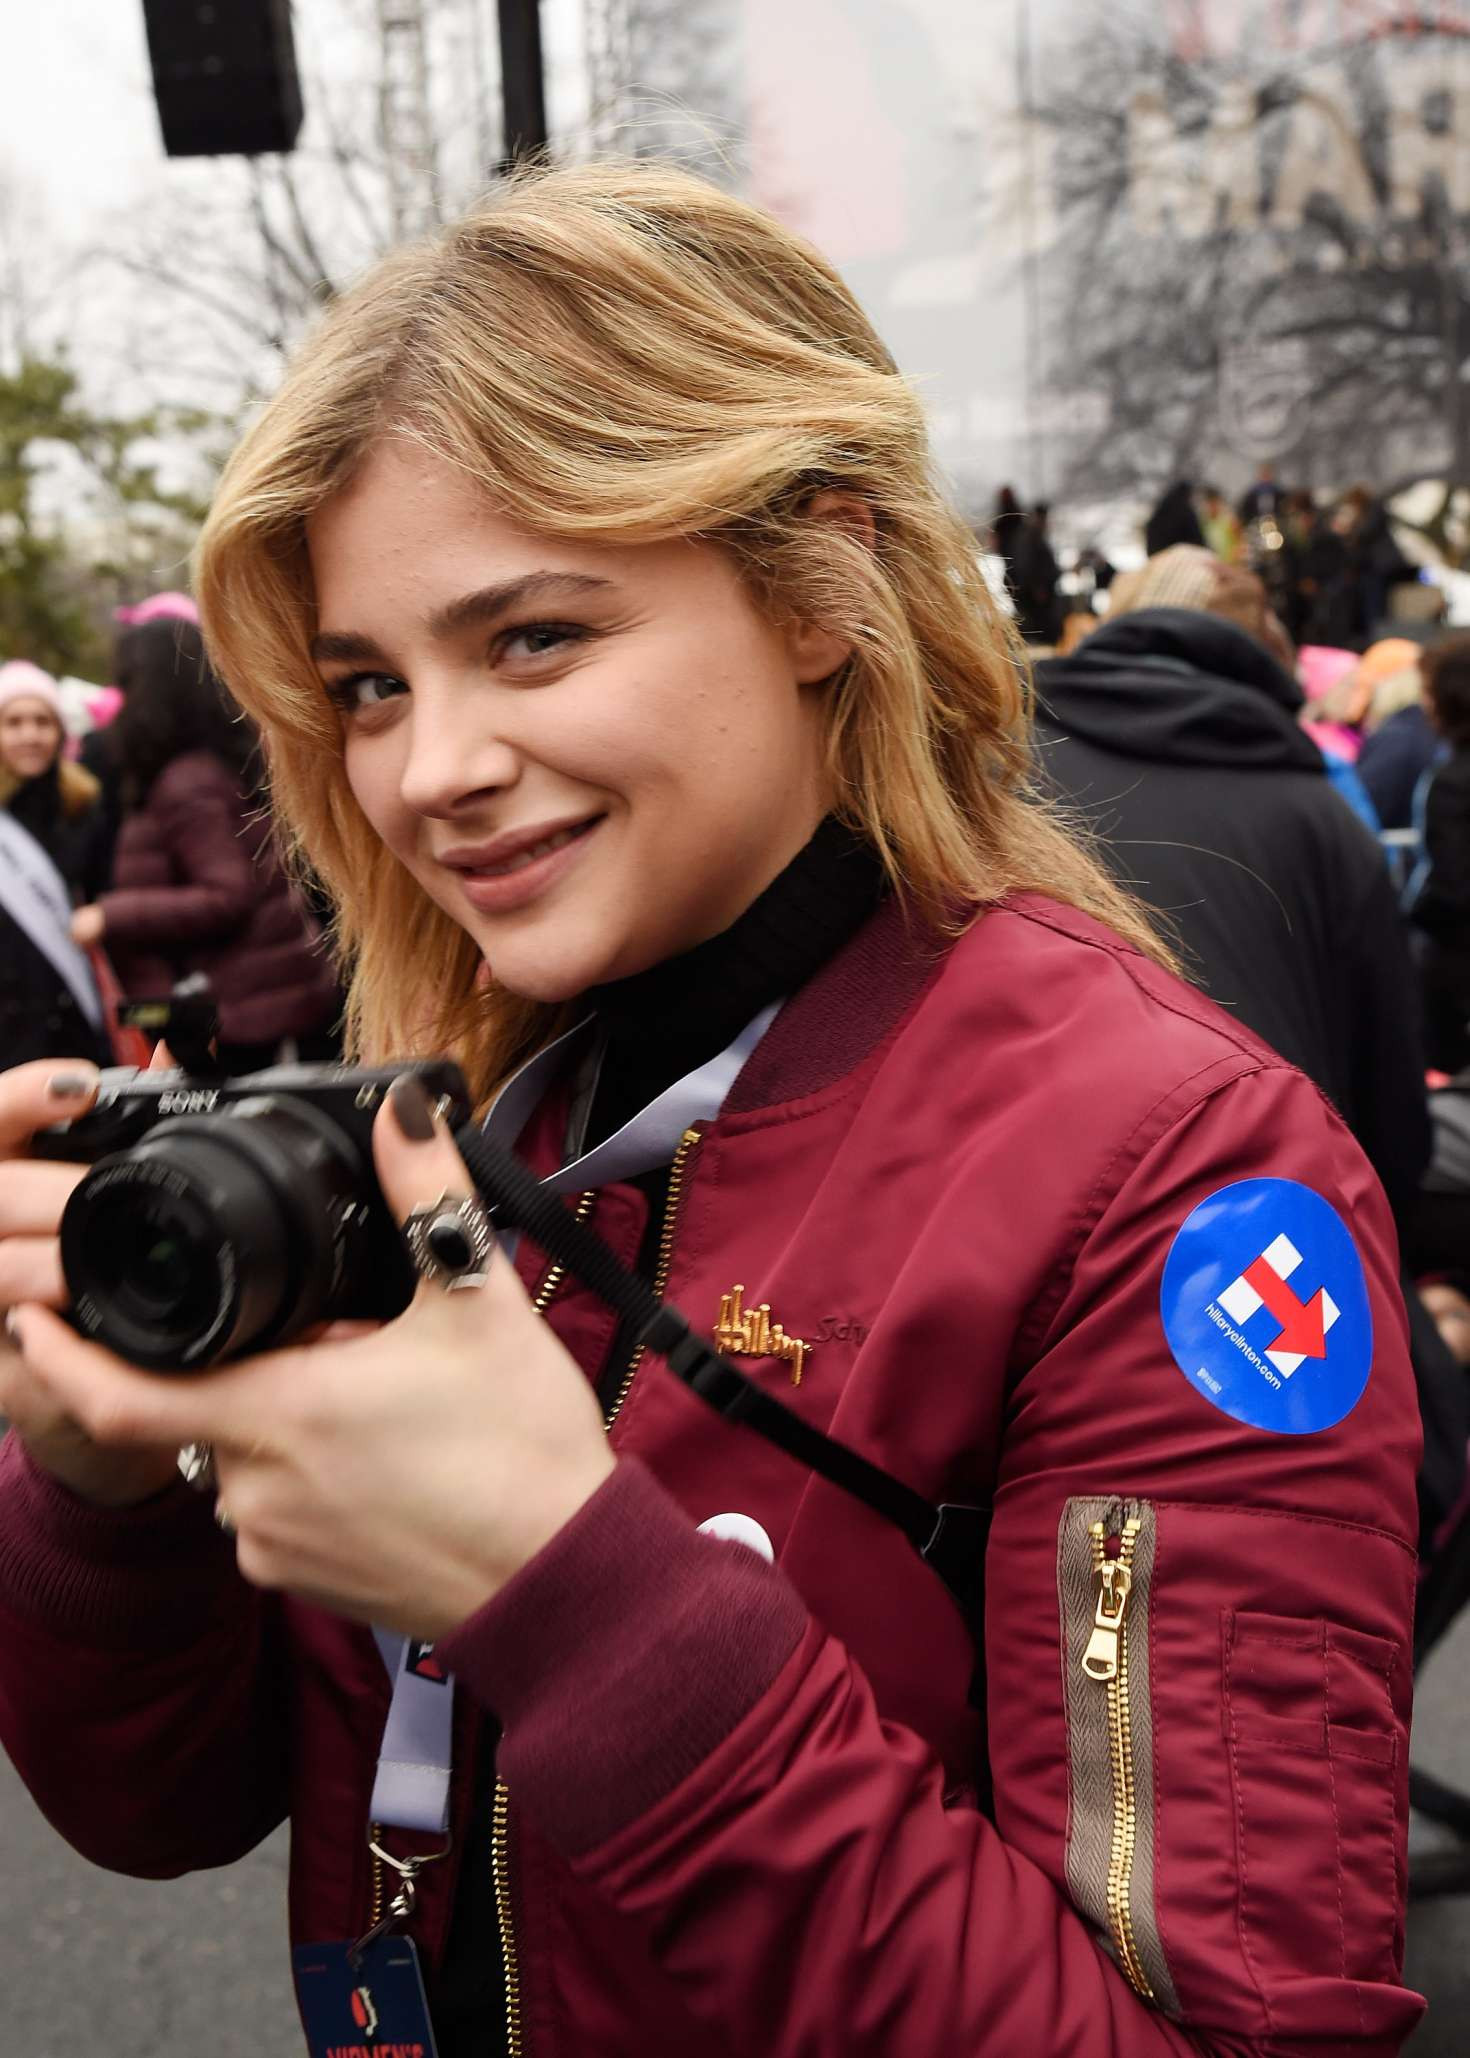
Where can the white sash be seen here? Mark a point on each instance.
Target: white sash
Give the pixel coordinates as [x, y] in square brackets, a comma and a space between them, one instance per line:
[33, 893]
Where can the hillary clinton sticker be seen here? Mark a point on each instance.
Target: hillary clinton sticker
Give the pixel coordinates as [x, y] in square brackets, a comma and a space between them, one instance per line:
[1266, 1309]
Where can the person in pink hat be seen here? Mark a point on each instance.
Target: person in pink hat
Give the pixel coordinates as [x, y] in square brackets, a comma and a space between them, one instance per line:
[149, 632]
[158, 607]
[51, 797]
[48, 860]
[197, 888]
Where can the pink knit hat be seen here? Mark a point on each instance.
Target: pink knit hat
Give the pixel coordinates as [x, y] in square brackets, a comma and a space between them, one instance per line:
[158, 606]
[20, 680]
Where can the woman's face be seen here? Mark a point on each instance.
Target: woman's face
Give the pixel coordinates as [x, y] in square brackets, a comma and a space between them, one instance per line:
[30, 738]
[593, 756]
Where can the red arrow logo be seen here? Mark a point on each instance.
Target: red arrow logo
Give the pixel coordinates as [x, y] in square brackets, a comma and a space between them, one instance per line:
[1303, 1324]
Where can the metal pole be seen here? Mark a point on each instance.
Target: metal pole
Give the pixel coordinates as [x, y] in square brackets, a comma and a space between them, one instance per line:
[485, 139]
[1031, 264]
[522, 81]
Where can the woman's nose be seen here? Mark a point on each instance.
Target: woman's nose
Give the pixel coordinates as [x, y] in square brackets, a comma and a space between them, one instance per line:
[449, 766]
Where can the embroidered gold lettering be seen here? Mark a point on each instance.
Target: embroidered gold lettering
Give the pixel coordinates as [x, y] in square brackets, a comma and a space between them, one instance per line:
[743, 1332]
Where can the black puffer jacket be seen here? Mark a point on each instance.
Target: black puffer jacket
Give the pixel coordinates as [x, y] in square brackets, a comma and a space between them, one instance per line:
[1175, 733]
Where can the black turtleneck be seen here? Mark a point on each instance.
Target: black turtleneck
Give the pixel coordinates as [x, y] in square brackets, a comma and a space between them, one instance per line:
[664, 1022]
[657, 1026]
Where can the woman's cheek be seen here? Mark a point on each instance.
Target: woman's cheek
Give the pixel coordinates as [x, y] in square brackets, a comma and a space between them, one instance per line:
[373, 775]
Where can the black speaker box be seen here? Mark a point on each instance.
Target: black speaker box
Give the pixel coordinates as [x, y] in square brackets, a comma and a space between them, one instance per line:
[224, 76]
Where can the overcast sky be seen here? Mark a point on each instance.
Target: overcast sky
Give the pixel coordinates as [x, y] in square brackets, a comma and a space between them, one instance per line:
[77, 125]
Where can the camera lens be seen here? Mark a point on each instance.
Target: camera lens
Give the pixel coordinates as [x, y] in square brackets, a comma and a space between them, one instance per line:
[216, 1234]
[148, 1260]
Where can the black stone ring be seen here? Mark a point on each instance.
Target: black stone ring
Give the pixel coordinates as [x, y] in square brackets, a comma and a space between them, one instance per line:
[450, 1241]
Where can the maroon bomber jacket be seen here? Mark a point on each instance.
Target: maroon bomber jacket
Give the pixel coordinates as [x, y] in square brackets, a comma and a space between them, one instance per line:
[997, 1190]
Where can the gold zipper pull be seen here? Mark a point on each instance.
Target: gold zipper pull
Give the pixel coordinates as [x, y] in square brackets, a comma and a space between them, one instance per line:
[1100, 1659]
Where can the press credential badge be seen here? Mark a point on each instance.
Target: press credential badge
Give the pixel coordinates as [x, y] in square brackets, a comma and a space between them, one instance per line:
[363, 2003]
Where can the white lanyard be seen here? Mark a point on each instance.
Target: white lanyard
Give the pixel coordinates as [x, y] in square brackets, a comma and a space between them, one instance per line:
[411, 1790]
[651, 1137]
[33, 893]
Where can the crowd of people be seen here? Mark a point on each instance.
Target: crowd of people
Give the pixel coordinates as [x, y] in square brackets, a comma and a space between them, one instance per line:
[147, 863]
[1387, 716]
[1027, 1098]
[1331, 565]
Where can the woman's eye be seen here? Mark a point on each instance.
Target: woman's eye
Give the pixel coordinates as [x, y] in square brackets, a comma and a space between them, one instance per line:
[537, 639]
[364, 690]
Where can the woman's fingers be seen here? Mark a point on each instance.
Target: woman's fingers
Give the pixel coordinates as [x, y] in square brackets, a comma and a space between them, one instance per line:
[33, 1194]
[119, 1406]
[35, 1096]
[59, 1444]
[416, 1159]
[30, 1270]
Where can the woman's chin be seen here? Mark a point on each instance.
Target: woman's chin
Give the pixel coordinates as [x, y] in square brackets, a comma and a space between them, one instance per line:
[555, 968]
[550, 981]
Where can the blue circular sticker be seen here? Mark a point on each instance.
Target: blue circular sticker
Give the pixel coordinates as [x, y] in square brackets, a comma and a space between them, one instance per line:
[1266, 1309]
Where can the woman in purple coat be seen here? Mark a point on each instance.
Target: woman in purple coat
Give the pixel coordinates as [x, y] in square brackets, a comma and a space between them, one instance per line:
[198, 888]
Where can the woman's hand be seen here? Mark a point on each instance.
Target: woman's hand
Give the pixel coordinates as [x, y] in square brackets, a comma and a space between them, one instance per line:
[88, 926]
[32, 1196]
[399, 1476]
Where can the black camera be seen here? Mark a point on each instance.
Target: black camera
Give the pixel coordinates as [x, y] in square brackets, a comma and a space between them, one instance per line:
[227, 1215]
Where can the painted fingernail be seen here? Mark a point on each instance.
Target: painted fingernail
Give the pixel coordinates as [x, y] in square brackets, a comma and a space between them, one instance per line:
[70, 1085]
[412, 1109]
[12, 1326]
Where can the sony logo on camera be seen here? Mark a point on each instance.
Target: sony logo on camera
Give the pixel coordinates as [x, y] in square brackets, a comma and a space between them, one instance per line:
[197, 1101]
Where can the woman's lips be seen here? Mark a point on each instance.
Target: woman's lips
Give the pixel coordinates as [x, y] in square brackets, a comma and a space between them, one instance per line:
[498, 892]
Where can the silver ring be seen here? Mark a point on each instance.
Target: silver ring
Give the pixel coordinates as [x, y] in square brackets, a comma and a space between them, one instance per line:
[450, 1241]
[196, 1464]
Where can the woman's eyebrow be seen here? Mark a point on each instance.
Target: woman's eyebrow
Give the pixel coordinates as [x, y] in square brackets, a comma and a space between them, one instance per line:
[345, 648]
[471, 610]
[475, 610]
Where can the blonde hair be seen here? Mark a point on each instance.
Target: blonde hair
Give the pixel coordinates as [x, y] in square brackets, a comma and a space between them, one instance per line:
[626, 353]
[77, 788]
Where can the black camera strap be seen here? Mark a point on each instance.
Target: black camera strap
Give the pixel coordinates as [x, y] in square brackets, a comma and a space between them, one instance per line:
[950, 1539]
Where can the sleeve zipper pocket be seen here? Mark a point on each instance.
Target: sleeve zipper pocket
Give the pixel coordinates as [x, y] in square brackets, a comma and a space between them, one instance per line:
[1105, 1560]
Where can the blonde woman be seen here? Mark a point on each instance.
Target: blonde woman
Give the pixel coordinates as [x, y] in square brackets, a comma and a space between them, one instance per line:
[53, 799]
[50, 857]
[620, 665]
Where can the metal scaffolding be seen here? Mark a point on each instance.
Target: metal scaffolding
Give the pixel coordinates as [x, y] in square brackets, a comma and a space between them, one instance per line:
[607, 39]
[404, 118]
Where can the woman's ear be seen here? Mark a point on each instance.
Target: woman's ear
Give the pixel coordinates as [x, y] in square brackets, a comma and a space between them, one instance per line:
[842, 510]
[818, 652]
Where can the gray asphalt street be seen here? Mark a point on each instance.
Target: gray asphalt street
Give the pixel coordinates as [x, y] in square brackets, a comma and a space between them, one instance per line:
[93, 1966]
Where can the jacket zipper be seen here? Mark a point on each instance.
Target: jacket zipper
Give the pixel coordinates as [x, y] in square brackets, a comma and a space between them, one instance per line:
[500, 1817]
[547, 1291]
[510, 1966]
[678, 1171]
[1106, 1661]
[500, 1809]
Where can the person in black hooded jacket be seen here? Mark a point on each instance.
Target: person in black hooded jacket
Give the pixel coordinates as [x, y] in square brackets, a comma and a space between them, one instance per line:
[1173, 730]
